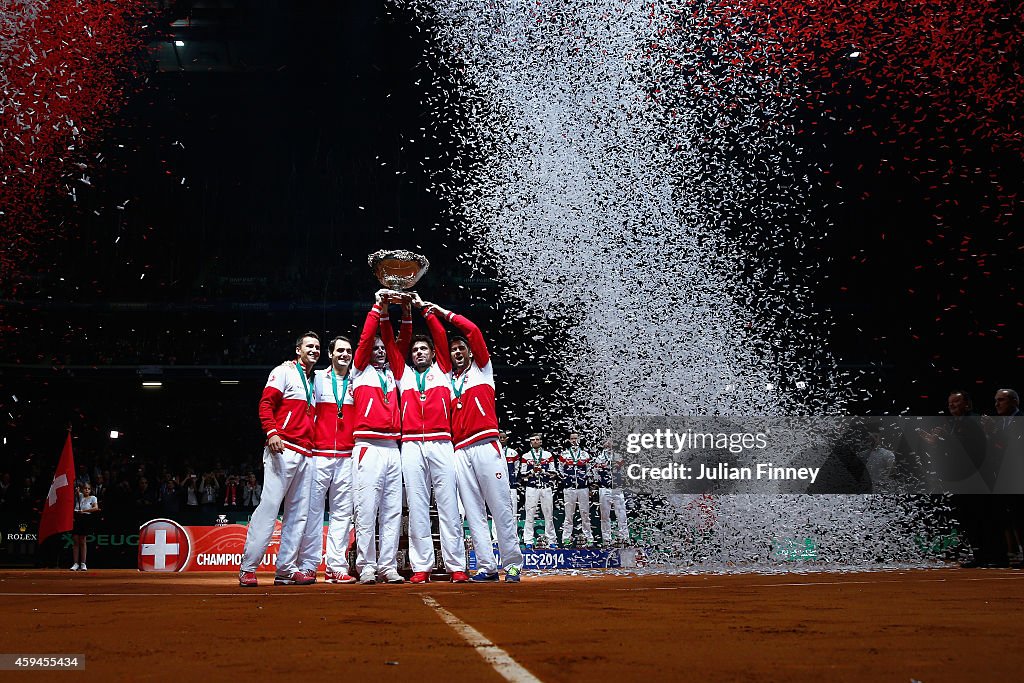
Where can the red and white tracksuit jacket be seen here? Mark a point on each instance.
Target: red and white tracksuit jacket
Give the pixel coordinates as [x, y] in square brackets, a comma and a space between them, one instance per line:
[426, 414]
[285, 409]
[332, 435]
[376, 414]
[477, 418]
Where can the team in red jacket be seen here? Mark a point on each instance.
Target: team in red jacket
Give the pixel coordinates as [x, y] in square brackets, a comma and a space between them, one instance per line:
[376, 429]
[333, 437]
[286, 412]
[428, 458]
[481, 470]
[332, 463]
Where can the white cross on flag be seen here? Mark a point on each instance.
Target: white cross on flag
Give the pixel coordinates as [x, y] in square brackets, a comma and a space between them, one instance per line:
[59, 512]
[164, 546]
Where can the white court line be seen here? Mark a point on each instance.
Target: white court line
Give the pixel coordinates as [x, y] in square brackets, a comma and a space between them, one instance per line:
[501, 661]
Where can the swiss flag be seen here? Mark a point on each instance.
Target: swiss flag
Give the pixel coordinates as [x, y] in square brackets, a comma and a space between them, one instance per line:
[59, 510]
[164, 546]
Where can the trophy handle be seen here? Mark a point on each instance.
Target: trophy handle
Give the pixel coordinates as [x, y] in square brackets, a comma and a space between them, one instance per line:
[401, 298]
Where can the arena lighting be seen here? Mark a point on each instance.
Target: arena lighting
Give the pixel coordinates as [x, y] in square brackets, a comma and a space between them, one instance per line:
[229, 381]
[152, 385]
[114, 434]
[179, 43]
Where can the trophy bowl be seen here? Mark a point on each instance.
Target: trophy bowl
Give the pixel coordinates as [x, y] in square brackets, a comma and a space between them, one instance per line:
[397, 268]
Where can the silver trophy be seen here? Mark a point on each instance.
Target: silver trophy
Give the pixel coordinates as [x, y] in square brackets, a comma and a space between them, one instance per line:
[399, 270]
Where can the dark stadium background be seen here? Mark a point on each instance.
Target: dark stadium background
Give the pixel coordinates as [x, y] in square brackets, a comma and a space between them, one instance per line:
[298, 138]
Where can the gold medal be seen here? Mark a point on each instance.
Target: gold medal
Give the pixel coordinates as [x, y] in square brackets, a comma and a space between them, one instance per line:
[423, 396]
[458, 404]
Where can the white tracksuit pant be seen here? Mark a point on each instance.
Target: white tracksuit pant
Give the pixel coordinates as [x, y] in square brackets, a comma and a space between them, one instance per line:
[483, 486]
[574, 498]
[378, 502]
[286, 480]
[607, 499]
[331, 483]
[514, 499]
[430, 466]
[546, 499]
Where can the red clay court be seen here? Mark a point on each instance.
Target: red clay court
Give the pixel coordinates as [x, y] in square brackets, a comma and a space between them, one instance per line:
[926, 625]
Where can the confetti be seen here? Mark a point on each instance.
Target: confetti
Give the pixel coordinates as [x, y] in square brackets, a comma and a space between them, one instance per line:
[64, 68]
[635, 177]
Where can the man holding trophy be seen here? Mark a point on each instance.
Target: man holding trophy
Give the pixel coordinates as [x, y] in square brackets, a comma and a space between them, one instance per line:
[378, 465]
[428, 457]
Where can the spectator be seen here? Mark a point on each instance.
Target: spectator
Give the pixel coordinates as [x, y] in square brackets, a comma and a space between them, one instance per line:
[5, 489]
[192, 491]
[144, 496]
[232, 494]
[170, 499]
[99, 486]
[209, 491]
[1007, 437]
[251, 492]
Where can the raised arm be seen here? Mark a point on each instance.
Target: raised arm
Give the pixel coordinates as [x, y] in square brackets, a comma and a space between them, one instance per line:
[395, 357]
[481, 356]
[405, 330]
[364, 351]
[440, 337]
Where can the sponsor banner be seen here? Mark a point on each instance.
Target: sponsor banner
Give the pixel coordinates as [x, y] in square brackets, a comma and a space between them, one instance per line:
[18, 534]
[567, 558]
[166, 546]
[19, 544]
[570, 558]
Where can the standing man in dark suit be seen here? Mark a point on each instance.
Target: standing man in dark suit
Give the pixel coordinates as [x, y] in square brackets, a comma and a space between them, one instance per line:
[1007, 437]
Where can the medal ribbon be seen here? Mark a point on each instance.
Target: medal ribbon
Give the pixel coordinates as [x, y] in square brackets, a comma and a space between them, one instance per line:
[305, 384]
[421, 380]
[537, 458]
[383, 379]
[334, 387]
[462, 384]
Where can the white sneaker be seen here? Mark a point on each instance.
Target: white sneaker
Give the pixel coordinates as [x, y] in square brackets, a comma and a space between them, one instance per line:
[391, 576]
[75, 567]
[367, 577]
[82, 567]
